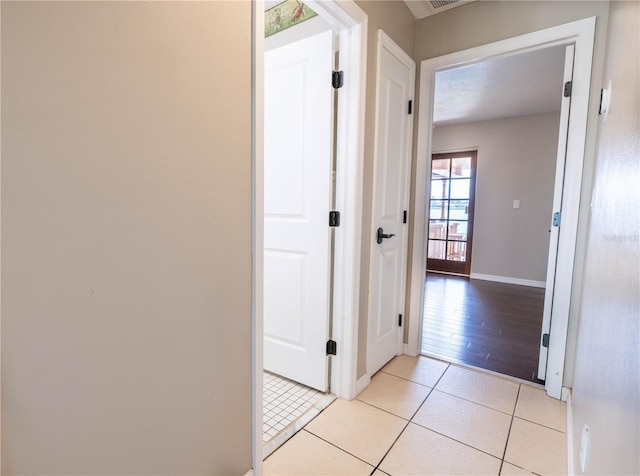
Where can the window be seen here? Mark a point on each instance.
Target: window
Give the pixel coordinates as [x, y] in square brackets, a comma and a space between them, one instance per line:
[451, 212]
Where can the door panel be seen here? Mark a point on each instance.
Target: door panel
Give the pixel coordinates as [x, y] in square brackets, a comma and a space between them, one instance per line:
[557, 206]
[394, 127]
[451, 212]
[297, 189]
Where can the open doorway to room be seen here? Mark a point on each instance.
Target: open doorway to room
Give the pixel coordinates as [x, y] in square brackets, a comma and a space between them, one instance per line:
[307, 164]
[298, 194]
[490, 202]
[578, 39]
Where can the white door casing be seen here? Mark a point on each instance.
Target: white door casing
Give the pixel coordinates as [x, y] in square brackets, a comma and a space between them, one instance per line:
[580, 33]
[297, 198]
[557, 207]
[392, 168]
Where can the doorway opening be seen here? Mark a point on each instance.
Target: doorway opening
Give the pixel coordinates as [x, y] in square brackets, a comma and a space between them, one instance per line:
[493, 319]
[577, 39]
[298, 192]
[274, 212]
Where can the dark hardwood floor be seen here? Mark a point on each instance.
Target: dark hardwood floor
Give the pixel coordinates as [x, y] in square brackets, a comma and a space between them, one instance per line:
[490, 325]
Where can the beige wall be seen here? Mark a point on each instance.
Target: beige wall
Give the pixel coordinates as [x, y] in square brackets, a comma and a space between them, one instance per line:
[395, 19]
[606, 390]
[516, 161]
[126, 238]
[483, 22]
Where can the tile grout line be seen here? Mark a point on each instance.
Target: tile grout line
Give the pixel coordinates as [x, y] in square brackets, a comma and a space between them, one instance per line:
[383, 410]
[457, 441]
[513, 415]
[377, 466]
[409, 380]
[540, 424]
[409, 421]
[336, 446]
[480, 404]
[430, 392]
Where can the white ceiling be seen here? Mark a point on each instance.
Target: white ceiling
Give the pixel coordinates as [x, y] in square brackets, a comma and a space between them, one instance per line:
[519, 85]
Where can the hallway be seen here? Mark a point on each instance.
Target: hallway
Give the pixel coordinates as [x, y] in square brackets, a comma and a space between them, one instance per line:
[423, 416]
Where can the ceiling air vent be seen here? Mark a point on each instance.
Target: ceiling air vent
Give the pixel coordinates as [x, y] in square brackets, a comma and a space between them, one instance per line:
[424, 8]
[442, 3]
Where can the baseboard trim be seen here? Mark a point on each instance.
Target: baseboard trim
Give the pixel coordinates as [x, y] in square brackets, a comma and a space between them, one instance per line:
[362, 383]
[407, 350]
[508, 280]
[570, 468]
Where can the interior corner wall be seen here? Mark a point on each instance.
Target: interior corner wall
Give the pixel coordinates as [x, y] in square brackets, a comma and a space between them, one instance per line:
[126, 238]
[606, 385]
[395, 19]
[516, 161]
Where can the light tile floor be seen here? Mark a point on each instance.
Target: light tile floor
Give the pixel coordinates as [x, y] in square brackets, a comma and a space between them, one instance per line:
[421, 416]
[284, 401]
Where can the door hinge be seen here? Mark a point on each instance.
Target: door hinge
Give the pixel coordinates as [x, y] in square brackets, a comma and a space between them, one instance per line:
[332, 347]
[557, 218]
[605, 100]
[404, 217]
[334, 218]
[545, 340]
[399, 320]
[410, 106]
[337, 79]
[567, 89]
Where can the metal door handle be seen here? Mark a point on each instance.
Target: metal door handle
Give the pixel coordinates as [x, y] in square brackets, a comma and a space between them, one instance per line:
[382, 236]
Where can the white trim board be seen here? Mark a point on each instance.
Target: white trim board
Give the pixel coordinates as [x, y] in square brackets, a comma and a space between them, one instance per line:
[350, 22]
[554, 231]
[257, 223]
[582, 34]
[508, 280]
[362, 383]
[569, 433]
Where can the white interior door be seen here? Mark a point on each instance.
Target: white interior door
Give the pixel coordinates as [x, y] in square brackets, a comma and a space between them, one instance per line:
[394, 129]
[550, 286]
[297, 198]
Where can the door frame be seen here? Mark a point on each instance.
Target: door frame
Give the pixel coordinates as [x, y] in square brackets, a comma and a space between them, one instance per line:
[554, 231]
[582, 34]
[384, 42]
[466, 269]
[350, 23]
